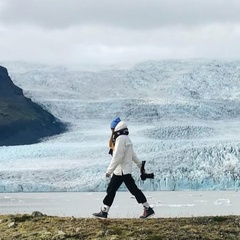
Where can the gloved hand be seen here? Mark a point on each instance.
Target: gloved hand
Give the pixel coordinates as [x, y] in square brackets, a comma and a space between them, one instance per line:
[142, 169]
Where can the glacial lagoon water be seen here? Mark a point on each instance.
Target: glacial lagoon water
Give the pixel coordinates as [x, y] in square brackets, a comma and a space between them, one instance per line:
[83, 204]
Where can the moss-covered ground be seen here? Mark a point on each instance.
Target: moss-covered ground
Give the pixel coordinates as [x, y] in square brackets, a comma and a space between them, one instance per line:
[52, 227]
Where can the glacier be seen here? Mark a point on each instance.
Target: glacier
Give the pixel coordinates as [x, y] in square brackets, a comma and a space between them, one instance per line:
[183, 117]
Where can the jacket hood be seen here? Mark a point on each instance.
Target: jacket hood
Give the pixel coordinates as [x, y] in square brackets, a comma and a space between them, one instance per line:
[121, 125]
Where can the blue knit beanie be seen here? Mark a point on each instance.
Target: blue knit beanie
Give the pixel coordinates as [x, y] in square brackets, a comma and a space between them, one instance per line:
[115, 122]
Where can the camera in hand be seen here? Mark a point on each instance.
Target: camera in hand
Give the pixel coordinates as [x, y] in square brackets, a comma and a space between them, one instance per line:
[145, 175]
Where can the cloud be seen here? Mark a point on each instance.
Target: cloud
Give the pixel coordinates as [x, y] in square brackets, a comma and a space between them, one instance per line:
[94, 45]
[108, 31]
[133, 14]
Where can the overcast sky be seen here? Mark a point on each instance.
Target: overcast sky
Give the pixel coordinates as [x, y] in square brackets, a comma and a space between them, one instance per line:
[118, 31]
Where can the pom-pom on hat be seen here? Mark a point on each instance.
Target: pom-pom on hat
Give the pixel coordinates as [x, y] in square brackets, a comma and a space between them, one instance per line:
[115, 122]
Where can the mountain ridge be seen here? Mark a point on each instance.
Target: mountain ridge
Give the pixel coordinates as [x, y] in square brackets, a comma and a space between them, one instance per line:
[21, 120]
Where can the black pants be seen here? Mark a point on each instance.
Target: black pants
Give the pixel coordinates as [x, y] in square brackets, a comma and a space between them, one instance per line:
[114, 185]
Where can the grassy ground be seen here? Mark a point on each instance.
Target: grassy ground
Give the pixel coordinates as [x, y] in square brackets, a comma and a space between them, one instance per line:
[49, 227]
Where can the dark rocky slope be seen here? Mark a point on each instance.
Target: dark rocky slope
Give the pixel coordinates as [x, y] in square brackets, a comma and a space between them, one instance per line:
[21, 120]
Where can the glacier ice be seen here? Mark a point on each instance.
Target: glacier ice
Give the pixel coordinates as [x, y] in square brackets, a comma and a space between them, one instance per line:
[183, 117]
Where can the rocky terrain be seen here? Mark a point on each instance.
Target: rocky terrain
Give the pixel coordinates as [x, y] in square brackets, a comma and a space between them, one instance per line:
[39, 226]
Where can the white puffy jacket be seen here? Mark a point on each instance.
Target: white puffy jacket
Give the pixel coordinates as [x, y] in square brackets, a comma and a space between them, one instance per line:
[123, 154]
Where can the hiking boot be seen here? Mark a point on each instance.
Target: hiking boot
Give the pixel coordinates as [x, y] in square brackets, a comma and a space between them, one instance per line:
[148, 212]
[101, 214]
